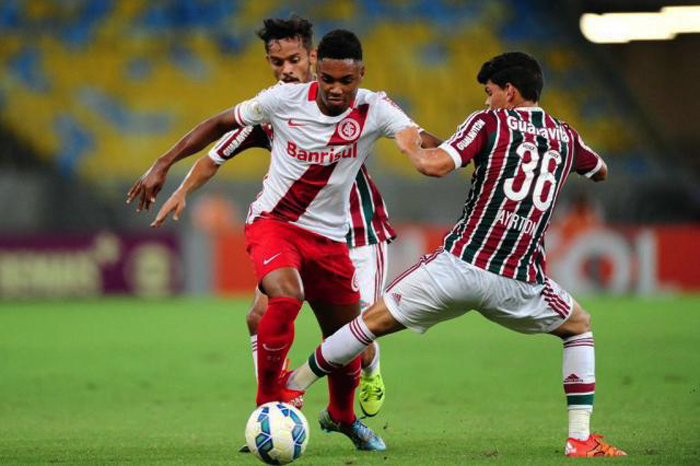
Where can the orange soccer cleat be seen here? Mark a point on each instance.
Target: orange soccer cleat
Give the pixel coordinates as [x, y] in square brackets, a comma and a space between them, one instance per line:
[287, 395]
[594, 446]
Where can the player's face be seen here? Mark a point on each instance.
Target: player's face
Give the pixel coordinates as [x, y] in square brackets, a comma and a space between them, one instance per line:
[290, 61]
[496, 96]
[338, 81]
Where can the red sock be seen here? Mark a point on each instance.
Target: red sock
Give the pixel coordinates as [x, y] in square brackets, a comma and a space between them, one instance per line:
[341, 387]
[275, 336]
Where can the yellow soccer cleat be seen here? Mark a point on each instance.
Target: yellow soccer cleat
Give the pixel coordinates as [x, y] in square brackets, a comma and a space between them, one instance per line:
[372, 394]
[594, 446]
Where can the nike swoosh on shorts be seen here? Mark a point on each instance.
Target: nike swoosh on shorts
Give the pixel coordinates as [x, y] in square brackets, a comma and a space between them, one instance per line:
[270, 259]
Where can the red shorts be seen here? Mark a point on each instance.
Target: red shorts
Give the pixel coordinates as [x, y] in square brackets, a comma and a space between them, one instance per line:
[325, 267]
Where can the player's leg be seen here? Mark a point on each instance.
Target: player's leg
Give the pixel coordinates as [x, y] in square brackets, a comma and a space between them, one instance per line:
[411, 301]
[272, 246]
[342, 382]
[285, 293]
[252, 318]
[578, 373]
[370, 263]
[548, 308]
[334, 298]
[345, 345]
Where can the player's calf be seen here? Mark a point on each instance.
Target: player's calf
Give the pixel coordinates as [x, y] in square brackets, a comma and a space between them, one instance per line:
[253, 317]
[275, 336]
[255, 313]
[345, 345]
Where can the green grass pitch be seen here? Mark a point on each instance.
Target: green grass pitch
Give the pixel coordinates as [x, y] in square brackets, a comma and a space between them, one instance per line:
[171, 382]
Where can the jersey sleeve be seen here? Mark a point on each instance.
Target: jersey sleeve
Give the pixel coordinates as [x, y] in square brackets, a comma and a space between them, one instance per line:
[236, 141]
[586, 161]
[392, 118]
[260, 108]
[469, 139]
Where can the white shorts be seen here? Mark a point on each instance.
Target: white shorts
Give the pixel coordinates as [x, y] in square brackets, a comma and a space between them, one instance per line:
[441, 287]
[370, 271]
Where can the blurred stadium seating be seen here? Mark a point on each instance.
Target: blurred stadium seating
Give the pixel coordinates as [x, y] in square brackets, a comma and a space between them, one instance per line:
[92, 91]
[103, 87]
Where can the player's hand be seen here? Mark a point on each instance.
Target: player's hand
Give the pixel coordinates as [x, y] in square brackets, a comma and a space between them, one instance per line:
[408, 139]
[148, 186]
[175, 203]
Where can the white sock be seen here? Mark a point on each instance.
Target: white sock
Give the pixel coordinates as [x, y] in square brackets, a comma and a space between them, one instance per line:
[578, 372]
[302, 378]
[580, 423]
[254, 349]
[336, 351]
[373, 368]
[344, 345]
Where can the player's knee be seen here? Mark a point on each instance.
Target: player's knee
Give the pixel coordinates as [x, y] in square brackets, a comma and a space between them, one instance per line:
[285, 289]
[293, 292]
[379, 320]
[578, 323]
[586, 322]
[581, 323]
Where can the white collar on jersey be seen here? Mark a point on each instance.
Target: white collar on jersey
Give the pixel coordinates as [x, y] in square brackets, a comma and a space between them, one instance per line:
[533, 107]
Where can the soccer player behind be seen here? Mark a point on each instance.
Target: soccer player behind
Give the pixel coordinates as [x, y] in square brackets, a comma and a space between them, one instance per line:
[290, 54]
[493, 260]
[296, 228]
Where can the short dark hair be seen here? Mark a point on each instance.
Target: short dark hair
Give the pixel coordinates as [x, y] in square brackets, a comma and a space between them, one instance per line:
[517, 68]
[279, 28]
[340, 44]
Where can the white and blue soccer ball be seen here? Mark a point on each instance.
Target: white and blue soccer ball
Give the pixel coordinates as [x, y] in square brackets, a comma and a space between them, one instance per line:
[277, 433]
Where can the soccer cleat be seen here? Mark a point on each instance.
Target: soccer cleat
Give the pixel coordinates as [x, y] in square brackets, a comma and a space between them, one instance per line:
[362, 436]
[371, 394]
[244, 449]
[287, 395]
[594, 446]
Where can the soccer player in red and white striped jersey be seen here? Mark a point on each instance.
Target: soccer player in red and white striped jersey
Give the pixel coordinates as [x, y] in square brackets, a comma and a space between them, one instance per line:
[290, 54]
[493, 259]
[296, 229]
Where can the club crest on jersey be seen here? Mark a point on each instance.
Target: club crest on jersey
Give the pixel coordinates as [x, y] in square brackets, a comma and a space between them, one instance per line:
[349, 129]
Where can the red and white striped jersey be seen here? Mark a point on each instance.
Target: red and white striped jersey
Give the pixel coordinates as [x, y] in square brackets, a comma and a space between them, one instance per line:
[317, 158]
[522, 159]
[369, 218]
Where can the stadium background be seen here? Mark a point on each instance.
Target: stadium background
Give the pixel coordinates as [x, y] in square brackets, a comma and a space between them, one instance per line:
[91, 92]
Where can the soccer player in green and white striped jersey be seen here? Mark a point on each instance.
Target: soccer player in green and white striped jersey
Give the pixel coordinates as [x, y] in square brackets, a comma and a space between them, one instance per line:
[493, 259]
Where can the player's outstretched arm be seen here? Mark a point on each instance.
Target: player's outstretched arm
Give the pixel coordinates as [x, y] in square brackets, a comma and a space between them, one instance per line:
[202, 171]
[430, 162]
[150, 183]
[587, 162]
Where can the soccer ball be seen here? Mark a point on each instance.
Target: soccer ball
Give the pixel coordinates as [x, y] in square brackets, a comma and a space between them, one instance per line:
[277, 433]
